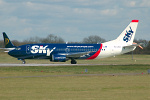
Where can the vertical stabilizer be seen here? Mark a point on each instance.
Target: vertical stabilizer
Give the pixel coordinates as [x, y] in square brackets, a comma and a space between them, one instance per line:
[127, 36]
[7, 42]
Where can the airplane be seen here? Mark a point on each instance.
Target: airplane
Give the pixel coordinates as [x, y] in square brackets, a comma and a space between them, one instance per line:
[63, 52]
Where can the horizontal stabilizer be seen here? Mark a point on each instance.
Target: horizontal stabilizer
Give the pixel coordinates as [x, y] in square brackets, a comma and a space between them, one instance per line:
[7, 49]
[134, 45]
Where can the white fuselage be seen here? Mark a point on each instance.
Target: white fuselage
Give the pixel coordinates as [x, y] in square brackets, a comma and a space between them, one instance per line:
[112, 49]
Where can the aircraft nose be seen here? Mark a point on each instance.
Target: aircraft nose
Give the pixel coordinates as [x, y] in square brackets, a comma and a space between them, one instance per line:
[14, 53]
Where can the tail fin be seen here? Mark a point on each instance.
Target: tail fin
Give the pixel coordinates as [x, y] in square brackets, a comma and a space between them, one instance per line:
[127, 36]
[7, 42]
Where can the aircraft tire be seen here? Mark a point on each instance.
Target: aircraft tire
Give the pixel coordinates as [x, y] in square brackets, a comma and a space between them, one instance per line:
[24, 62]
[73, 61]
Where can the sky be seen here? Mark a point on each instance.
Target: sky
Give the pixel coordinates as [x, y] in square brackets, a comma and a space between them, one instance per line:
[73, 20]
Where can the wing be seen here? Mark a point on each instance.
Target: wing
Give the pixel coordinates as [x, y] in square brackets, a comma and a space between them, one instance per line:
[76, 55]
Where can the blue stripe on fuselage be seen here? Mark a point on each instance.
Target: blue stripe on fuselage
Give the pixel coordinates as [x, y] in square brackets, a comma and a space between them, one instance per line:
[31, 51]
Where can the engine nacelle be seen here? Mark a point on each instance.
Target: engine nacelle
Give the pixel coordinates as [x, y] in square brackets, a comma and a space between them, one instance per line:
[58, 58]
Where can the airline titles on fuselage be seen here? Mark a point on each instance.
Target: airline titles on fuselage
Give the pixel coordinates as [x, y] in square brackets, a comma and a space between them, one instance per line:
[45, 50]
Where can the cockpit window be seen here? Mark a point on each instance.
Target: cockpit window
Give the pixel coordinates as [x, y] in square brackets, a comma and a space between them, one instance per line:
[18, 48]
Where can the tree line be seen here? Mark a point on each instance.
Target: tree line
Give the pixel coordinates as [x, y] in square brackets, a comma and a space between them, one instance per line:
[90, 39]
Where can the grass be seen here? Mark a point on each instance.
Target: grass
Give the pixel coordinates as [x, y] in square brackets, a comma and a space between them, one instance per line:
[131, 87]
[69, 70]
[76, 88]
[13, 86]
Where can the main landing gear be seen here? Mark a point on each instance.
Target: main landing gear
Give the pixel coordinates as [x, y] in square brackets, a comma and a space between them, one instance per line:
[73, 61]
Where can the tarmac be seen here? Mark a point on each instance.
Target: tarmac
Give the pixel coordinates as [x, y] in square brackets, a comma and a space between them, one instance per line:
[16, 65]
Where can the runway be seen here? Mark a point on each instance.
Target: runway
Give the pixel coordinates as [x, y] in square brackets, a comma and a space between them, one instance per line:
[15, 65]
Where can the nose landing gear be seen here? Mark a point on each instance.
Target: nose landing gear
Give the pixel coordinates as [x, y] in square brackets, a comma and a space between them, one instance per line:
[23, 61]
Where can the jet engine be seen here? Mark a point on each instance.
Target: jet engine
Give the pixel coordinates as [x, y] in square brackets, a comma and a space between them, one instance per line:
[58, 58]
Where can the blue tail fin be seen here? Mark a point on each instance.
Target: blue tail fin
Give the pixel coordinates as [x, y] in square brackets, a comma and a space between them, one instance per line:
[7, 42]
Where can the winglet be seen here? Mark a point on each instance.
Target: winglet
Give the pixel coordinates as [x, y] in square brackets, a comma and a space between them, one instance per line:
[7, 42]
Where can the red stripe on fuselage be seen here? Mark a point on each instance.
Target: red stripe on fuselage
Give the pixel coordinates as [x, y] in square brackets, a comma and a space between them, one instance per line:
[97, 53]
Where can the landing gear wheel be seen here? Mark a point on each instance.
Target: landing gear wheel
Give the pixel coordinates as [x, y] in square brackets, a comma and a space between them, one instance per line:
[73, 61]
[23, 61]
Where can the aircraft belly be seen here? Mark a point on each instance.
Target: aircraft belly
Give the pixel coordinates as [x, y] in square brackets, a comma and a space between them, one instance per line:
[33, 56]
